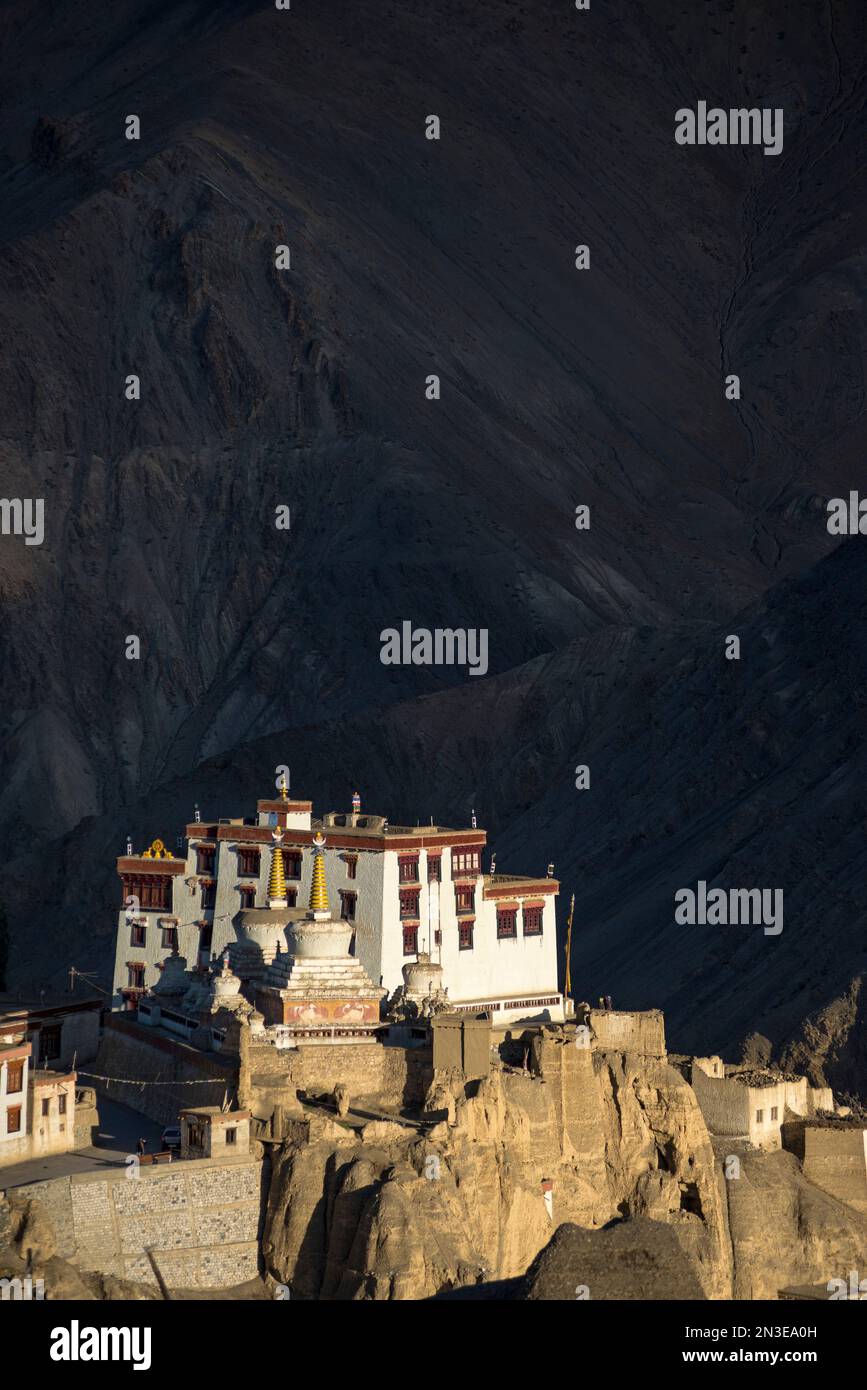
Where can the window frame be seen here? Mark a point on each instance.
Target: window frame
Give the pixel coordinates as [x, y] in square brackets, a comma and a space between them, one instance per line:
[503, 913]
[247, 856]
[468, 893]
[410, 940]
[466, 932]
[15, 1069]
[533, 930]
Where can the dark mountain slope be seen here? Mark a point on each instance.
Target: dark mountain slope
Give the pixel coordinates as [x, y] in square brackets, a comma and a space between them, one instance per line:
[306, 387]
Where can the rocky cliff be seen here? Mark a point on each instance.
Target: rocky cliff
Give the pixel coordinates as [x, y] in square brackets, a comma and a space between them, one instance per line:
[396, 1215]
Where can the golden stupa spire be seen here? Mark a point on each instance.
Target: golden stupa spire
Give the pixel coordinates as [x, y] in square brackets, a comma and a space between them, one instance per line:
[277, 881]
[318, 891]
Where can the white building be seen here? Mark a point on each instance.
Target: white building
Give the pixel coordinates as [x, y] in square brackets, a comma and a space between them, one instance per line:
[405, 889]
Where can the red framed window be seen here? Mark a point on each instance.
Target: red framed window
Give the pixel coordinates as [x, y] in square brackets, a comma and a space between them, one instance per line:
[170, 938]
[248, 897]
[137, 933]
[465, 898]
[347, 905]
[205, 858]
[465, 936]
[13, 1119]
[209, 894]
[292, 863]
[410, 941]
[14, 1077]
[154, 891]
[465, 861]
[532, 921]
[136, 974]
[434, 868]
[507, 923]
[409, 902]
[407, 868]
[351, 865]
[248, 862]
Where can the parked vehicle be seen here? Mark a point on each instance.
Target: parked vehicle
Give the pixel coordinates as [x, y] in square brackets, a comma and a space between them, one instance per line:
[171, 1137]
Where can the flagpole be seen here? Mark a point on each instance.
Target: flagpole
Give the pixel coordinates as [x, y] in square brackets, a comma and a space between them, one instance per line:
[568, 989]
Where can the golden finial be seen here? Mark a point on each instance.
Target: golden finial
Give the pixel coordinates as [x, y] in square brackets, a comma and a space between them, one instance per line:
[318, 891]
[277, 881]
[156, 851]
[284, 790]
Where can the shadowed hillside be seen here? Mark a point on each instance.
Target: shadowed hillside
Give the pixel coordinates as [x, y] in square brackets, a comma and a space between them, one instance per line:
[306, 387]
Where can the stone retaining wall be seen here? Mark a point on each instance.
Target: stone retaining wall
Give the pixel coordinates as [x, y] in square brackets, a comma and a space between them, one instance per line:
[200, 1220]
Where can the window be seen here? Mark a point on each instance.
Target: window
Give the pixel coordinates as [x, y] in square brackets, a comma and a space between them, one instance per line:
[773, 1112]
[46, 1105]
[347, 905]
[248, 863]
[465, 898]
[14, 1077]
[137, 934]
[136, 974]
[205, 855]
[291, 897]
[410, 941]
[351, 865]
[292, 863]
[760, 1115]
[409, 902]
[49, 1043]
[507, 923]
[465, 936]
[438, 937]
[248, 897]
[231, 1136]
[532, 921]
[61, 1103]
[209, 894]
[154, 891]
[465, 861]
[13, 1119]
[407, 868]
[434, 868]
[170, 938]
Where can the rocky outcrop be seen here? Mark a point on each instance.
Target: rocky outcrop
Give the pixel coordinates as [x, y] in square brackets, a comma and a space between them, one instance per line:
[638, 1259]
[786, 1231]
[412, 1215]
